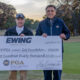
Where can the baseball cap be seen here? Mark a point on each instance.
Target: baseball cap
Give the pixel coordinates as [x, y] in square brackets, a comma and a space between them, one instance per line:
[20, 15]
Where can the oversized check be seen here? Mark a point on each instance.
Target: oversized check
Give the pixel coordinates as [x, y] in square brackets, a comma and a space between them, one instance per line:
[30, 53]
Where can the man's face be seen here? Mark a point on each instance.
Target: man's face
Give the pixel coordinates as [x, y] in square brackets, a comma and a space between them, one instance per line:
[20, 22]
[50, 12]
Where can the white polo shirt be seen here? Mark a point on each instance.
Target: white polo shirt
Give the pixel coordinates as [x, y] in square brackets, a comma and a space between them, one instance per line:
[19, 29]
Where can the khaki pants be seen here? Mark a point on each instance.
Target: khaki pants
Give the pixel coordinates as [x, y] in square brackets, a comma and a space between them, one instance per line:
[13, 75]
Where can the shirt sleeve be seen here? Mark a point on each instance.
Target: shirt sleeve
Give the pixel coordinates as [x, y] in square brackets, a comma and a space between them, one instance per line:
[39, 31]
[6, 33]
[65, 30]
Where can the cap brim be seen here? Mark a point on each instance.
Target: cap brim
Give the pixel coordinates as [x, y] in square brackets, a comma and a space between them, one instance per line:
[19, 17]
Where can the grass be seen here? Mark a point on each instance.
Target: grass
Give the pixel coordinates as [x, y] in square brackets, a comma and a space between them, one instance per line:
[71, 58]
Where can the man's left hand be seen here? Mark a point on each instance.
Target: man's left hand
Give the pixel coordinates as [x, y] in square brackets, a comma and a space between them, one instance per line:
[63, 36]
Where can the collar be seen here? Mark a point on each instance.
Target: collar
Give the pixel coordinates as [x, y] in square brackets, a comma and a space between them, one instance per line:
[48, 20]
[19, 27]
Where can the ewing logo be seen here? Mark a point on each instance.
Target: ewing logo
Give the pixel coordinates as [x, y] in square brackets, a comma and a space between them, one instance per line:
[19, 40]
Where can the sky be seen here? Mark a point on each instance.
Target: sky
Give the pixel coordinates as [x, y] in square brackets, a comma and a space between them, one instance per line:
[33, 9]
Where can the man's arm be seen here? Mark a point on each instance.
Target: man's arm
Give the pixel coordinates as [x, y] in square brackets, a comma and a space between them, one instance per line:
[65, 31]
[39, 31]
[31, 33]
[7, 33]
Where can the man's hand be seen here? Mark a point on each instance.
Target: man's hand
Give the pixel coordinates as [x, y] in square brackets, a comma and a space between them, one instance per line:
[44, 35]
[22, 35]
[62, 36]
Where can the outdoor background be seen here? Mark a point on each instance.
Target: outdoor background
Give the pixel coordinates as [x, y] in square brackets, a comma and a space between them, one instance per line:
[34, 11]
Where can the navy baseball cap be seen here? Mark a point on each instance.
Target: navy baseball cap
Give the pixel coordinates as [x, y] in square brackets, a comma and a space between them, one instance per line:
[20, 15]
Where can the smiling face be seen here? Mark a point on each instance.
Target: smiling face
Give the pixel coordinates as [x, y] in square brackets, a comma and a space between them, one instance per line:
[20, 22]
[50, 12]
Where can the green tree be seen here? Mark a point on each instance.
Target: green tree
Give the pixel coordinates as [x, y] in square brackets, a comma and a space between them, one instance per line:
[7, 14]
[30, 23]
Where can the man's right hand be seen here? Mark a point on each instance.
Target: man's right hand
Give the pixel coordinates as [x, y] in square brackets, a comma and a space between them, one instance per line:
[44, 35]
[22, 35]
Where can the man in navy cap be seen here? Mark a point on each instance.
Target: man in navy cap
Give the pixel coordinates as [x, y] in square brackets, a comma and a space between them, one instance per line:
[18, 30]
[53, 26]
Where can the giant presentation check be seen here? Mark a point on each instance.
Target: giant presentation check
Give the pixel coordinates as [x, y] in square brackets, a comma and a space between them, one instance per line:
[30, 53]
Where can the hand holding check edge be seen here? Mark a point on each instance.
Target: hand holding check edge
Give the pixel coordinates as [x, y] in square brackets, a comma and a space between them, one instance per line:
[62, 36]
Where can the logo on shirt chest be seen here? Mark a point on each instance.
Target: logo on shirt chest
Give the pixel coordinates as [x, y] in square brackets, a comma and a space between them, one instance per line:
[57, 26]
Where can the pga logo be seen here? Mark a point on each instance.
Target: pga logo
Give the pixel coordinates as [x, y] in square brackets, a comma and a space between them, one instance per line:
[12, 62]
[17, 62]
[6, 62]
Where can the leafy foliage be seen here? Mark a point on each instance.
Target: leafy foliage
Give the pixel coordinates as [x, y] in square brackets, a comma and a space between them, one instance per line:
[7, 15]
